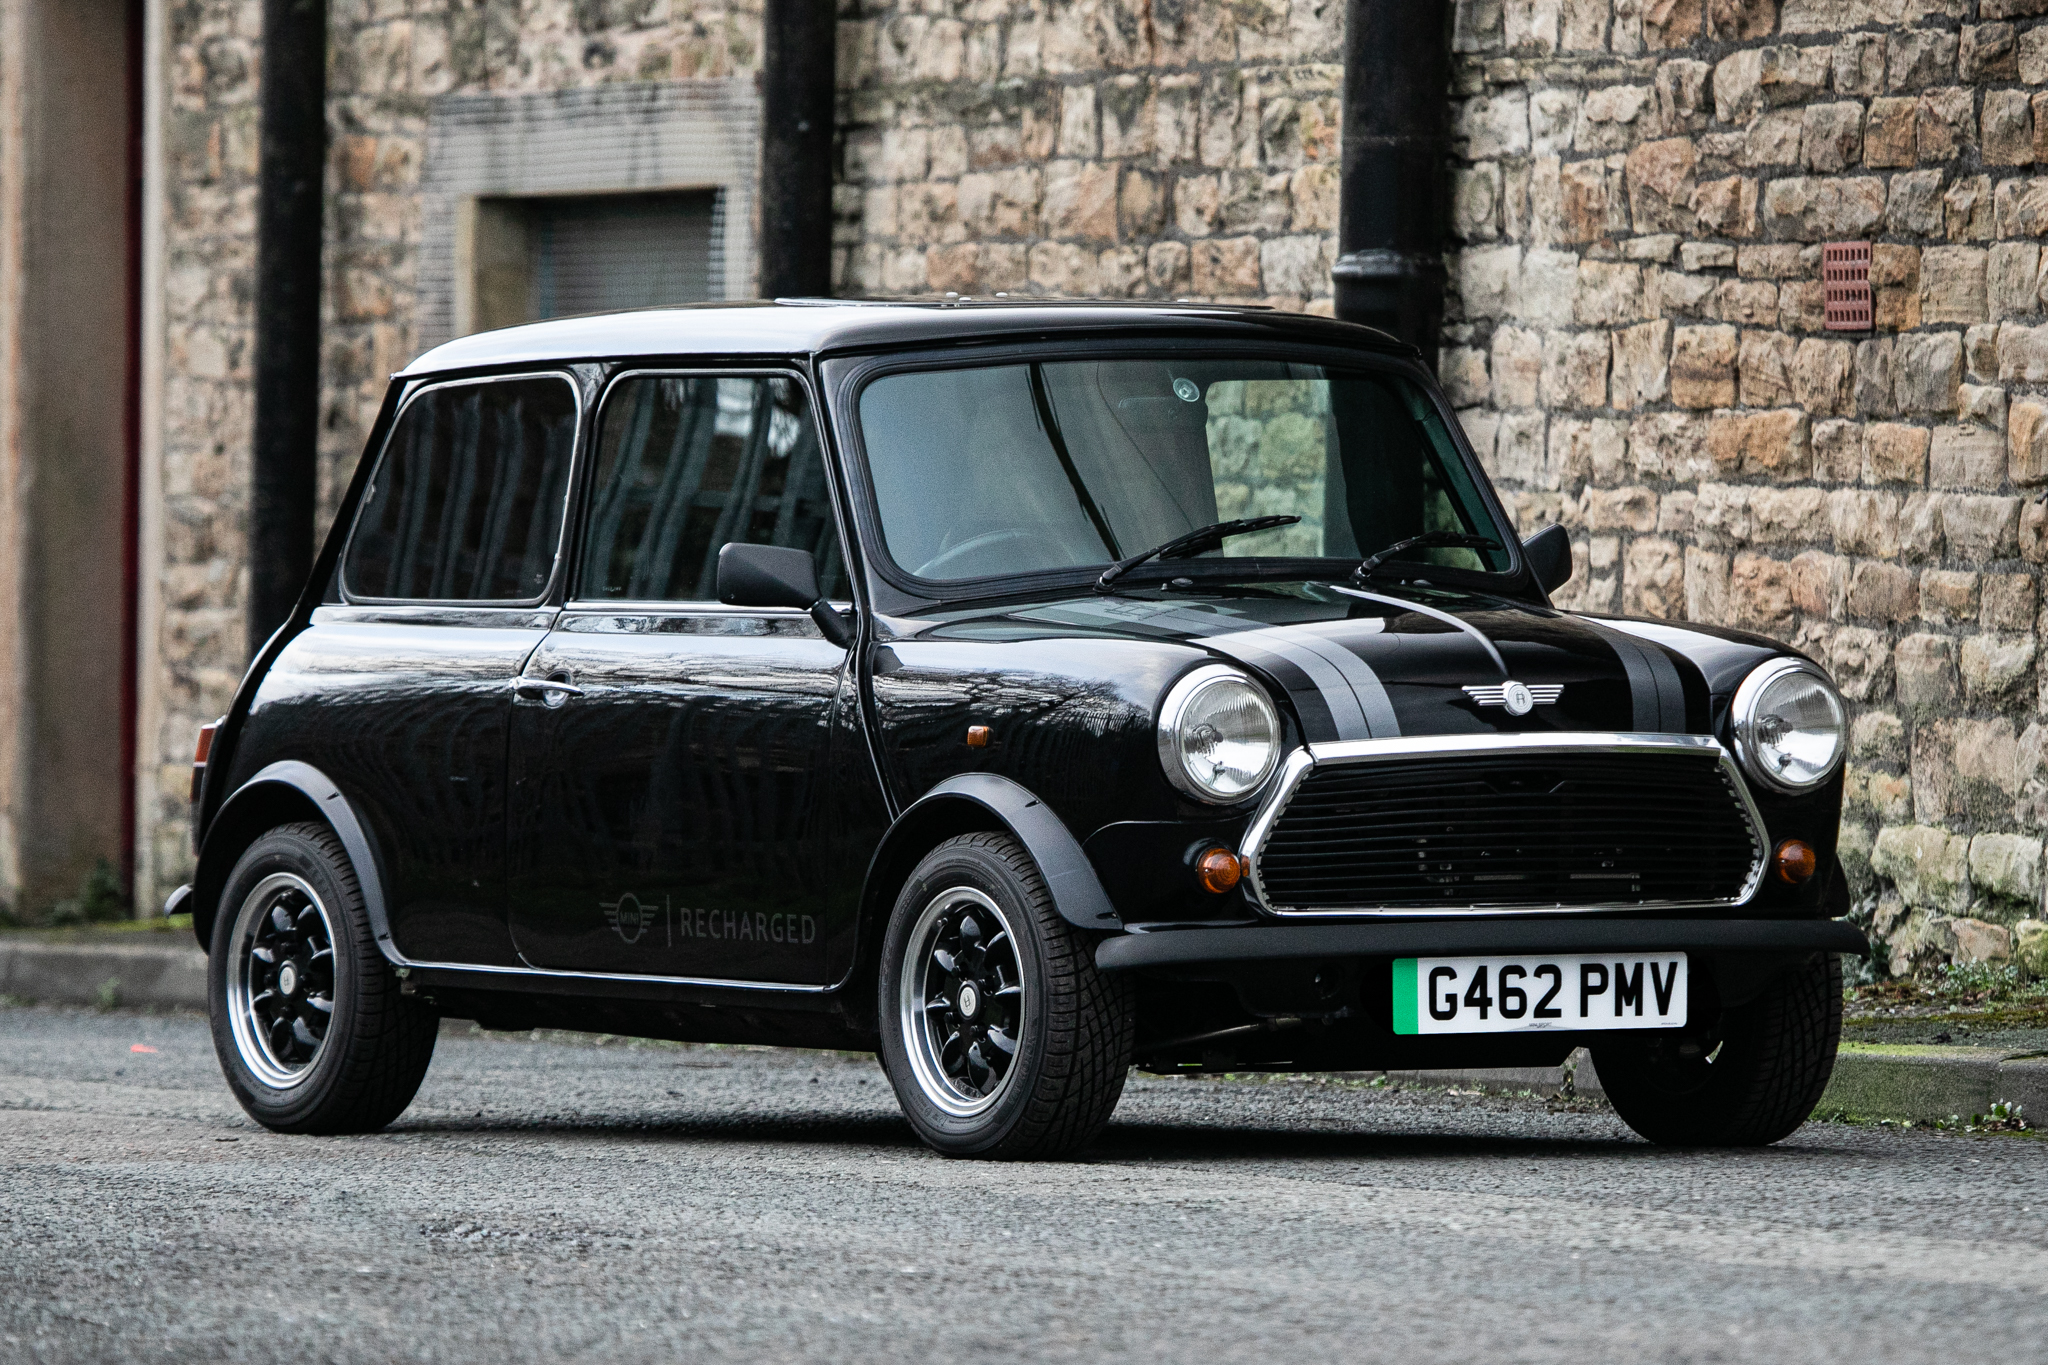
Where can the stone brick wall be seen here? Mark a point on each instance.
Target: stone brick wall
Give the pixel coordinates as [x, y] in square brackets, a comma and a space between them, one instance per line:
[1642, 190]
[1104, 148]
[209, 258]
[387, 59]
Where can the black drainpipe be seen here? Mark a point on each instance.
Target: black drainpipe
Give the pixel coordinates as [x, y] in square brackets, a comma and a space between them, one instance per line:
[1390, 232]
[796, 147]
[292, 156]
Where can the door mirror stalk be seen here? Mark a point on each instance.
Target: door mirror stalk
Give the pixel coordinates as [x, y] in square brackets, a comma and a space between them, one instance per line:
[775, 576]
[833, 626]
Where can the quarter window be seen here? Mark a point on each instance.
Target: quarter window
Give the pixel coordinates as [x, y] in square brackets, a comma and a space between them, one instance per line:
[466, 504]
[687, 464]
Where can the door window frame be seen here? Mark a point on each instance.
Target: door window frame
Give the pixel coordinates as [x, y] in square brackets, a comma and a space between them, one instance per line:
[556, 570]
[581, 509]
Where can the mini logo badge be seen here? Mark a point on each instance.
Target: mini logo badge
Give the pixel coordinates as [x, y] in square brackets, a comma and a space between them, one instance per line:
[628, 917]
[1518, 698]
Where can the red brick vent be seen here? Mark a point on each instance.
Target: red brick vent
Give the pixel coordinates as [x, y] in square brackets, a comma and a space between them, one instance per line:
[1845, 274]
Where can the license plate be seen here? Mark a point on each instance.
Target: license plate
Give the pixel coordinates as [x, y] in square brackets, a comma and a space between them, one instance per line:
[1523, 994]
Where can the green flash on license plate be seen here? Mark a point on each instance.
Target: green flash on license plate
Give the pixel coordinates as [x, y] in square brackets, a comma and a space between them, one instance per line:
[1523, 994]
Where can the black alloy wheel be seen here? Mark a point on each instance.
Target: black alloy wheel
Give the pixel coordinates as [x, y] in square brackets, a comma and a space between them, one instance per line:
[312, 1031]
[998, 1033]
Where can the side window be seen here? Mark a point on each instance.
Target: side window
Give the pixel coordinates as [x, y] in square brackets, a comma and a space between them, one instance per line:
[687, 464]
[466, 503]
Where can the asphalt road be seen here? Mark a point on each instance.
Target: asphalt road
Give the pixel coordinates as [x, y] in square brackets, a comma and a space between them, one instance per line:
[560, 1200]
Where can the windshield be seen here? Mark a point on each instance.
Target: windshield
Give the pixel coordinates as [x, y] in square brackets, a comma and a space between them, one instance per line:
[1035, 466]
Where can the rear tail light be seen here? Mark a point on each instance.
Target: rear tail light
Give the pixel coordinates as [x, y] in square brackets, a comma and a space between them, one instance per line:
[203, 751]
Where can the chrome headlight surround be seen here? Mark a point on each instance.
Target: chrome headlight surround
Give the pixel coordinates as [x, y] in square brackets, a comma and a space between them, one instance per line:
[1759, 729]
[1194, 704]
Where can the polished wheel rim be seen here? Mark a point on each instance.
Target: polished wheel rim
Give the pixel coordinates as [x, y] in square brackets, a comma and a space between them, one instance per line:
[962, 1001]
[281, 980]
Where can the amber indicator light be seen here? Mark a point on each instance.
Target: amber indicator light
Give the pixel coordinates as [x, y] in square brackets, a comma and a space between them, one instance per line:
[200, 753]
[1218, 869]
[1795, 861]
[1845, 282]
[977, 736]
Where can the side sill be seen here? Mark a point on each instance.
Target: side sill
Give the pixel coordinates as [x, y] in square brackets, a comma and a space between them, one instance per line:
[674, 990]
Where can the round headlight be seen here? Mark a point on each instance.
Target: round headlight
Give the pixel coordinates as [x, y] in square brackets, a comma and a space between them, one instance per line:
[1789, 725]
[1219, 736]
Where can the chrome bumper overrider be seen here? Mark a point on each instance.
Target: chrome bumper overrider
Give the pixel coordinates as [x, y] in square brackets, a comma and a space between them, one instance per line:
[1297, 766]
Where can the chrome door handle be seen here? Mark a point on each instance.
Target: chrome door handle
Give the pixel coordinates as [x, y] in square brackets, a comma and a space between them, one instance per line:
[542, 687]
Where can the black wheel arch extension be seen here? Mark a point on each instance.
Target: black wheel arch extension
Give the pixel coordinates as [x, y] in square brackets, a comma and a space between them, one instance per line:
[972, 802]
[282, 793]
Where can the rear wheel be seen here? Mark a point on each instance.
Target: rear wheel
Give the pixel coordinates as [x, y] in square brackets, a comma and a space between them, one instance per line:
[312, 1032]
[998, 1033]
[1750, 1084]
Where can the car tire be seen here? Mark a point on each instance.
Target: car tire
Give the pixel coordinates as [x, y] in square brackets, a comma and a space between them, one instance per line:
[1001, 1038]
[1751, 1084]
[312, 1031]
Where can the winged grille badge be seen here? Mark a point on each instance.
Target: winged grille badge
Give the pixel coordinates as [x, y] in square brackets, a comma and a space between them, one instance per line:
[1519, 698]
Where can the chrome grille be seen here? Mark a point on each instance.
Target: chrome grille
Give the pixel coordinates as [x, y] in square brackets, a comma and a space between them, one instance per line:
[1528, 824]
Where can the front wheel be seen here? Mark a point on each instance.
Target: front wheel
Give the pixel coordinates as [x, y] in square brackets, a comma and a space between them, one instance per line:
[312, 1031]
[998, 1033]
[1752, 1083]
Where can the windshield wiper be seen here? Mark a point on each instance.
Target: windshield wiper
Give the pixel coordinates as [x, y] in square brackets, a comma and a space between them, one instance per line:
[1193, 543]
[1457, 539]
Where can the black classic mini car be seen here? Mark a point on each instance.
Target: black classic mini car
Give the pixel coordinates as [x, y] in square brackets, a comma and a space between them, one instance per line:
[1021, 692]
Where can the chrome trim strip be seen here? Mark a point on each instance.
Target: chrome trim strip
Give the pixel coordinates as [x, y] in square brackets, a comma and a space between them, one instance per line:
[624, 607]
[1295, 768]
[630, 978]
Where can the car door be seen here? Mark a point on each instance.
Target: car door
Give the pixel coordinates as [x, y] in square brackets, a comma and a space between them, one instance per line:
[686, 775]
[407, 681]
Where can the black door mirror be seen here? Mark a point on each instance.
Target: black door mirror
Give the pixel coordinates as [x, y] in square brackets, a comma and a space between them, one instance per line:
[1549, 553]
[772, 576]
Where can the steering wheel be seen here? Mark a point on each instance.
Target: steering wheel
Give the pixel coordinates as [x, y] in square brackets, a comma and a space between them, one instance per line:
[971, 544]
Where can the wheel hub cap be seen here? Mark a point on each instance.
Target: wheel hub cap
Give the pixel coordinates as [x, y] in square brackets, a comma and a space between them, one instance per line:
[281, 982]
[962, 1001]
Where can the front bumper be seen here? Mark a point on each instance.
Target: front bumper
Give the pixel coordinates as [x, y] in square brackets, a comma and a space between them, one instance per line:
[1476, 938]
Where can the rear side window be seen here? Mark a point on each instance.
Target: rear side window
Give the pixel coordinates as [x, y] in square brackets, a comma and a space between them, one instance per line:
[687, 464]
[466, 504]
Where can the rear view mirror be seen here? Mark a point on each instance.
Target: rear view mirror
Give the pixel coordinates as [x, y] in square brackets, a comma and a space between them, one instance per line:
[772, 576]
[1549, 553]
